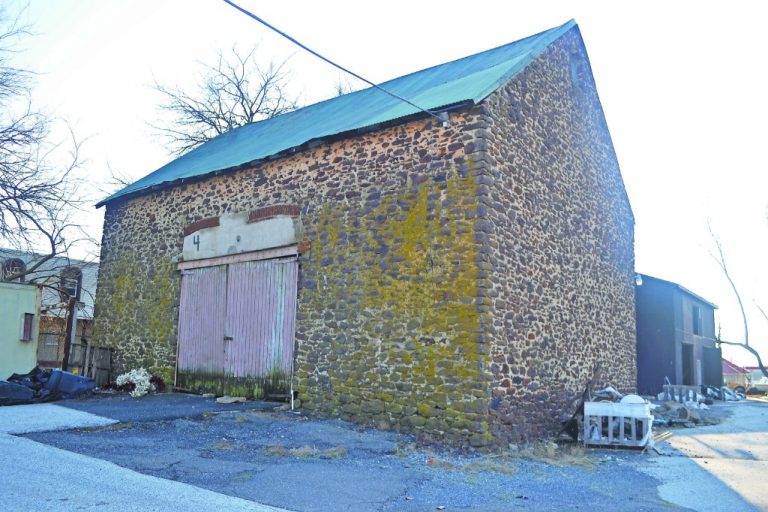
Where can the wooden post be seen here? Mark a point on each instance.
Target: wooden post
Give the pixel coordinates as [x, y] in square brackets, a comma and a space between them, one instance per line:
[86, 368]
[70, 333]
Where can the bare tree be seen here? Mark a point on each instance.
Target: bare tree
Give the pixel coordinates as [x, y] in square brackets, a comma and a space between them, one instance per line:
[37, 188]
[344, 86]
[117, 180]
[233, 92]
[719, 257]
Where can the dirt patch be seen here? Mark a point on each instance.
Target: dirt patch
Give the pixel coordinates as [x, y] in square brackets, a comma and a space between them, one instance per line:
[507, 461]
[495, 464]
[115, 427]
[306, 452]
[224, 445]
[548, 452]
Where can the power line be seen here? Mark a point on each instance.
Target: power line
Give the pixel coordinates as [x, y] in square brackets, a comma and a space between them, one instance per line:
[294, 41]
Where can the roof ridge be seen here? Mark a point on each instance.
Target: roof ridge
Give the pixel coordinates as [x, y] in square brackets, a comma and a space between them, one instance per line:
[431, 88]
[17, 253]
[735, 366]
[568, 24]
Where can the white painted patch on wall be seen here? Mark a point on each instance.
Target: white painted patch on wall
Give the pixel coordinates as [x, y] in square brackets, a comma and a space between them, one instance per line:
[235, 235]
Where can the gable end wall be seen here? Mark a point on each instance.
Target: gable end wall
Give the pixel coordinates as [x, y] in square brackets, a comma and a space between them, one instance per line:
[560, 243]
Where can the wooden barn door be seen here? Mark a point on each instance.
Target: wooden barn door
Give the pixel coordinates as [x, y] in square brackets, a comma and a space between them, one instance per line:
[201, 320]
[236, 327]
[260, 324]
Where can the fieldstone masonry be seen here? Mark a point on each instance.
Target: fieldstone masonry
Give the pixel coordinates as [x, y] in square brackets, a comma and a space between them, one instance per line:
[560, 241]
[458, 282]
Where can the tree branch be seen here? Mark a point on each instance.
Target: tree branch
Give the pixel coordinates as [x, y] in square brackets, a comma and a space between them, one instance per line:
[38, 192]
[720, 260]
[751, 350]
[235, 91]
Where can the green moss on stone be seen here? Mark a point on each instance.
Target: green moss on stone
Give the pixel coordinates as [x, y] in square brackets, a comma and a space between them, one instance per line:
[407, 291]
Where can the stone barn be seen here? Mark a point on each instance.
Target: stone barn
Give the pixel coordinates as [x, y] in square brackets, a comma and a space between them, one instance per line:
[457, 274]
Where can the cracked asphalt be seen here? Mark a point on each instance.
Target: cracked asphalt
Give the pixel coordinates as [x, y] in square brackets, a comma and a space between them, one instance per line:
[290, 461]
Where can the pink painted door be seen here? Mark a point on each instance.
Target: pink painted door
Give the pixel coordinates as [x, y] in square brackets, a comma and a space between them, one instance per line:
[201, 320]
[240, 327]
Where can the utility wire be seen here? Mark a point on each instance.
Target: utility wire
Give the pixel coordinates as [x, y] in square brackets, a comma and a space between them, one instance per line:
[294, 41]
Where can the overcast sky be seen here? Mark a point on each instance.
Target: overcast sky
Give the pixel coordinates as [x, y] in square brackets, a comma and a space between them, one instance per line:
[682, 84]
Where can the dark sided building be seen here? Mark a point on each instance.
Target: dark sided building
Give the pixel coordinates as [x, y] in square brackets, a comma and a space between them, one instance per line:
[675, 337]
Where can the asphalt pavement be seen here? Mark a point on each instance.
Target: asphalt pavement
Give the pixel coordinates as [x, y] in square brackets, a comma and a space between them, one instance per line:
[719, 467]
[39, 477]
[184, 452]
[36, 476]
[321, 465]
[162, 406]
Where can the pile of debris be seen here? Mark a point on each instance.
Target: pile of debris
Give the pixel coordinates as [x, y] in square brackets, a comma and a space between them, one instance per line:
[686, 414]
[723, 393]
[609, 418]
[686, 405]
[43, 386]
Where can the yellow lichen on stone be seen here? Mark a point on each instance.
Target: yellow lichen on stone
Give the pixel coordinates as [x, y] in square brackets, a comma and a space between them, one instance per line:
[406, 274]
[142, 308]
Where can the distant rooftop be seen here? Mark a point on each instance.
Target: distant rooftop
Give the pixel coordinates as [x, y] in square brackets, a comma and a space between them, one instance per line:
[466, 81]
[731, 368]
[49, 271]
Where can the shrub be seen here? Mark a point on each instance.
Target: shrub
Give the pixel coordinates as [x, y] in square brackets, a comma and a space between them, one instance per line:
[140, 379]
[158, 382]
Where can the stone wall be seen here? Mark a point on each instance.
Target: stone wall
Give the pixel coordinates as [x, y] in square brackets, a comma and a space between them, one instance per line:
[388, 326]
[560, 239]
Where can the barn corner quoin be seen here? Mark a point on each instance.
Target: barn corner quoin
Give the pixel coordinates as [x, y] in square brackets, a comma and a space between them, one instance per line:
[460, 282]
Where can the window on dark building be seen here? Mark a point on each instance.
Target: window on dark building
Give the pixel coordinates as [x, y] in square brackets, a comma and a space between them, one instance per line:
[696, 320]
[26, 332]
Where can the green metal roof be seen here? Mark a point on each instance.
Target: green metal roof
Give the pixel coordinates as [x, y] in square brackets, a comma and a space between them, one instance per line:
[470, 79]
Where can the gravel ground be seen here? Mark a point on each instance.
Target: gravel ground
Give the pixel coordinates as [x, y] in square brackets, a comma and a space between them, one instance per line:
[287, 460]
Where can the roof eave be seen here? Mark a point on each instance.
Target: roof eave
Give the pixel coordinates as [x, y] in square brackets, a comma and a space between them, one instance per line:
[681, 288]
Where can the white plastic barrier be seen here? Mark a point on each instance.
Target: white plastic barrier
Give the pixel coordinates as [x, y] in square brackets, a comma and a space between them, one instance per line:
[680, 393]
[617, 424]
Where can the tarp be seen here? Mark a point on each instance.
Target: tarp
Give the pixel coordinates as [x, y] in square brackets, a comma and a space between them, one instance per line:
[43, 386]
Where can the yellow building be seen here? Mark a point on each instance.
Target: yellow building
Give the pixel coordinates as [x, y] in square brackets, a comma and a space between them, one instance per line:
[19, 327]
